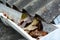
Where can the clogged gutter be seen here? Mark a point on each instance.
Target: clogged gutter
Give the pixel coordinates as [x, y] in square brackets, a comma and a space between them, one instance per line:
[33, 26]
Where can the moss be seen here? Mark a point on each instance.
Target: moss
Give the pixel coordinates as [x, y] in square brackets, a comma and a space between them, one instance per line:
[24, 15]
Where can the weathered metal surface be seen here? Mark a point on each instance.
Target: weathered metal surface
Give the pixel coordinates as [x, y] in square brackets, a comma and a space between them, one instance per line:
[6, 32]
[34, 6]
[46, 9]
[11, 2]
[10, 12]
[3, 1]
[57, 20]
[21, 3]
[50, 11]
[48, 27]
[6, 9]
